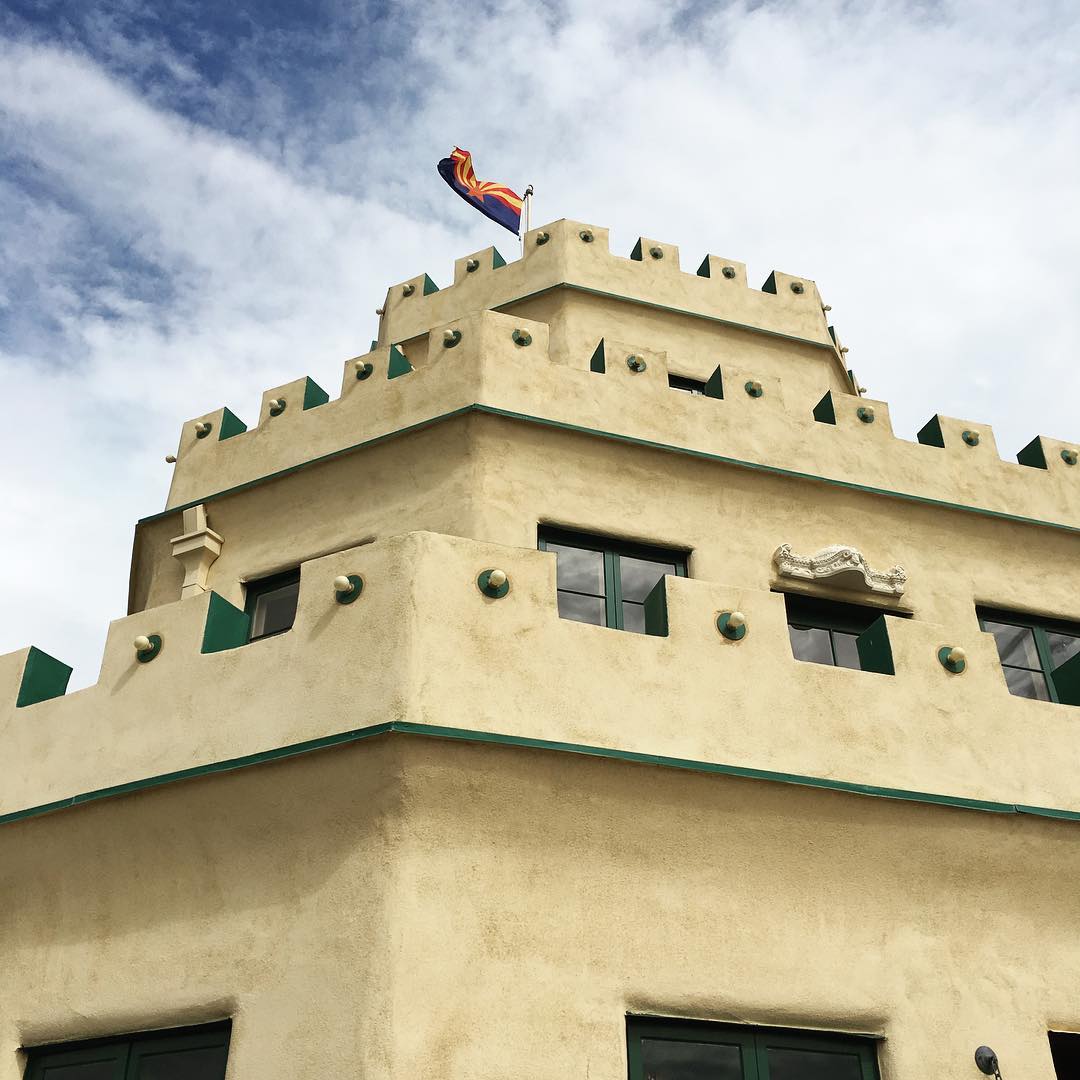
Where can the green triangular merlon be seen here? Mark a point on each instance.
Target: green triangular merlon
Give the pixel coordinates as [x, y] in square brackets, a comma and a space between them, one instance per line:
[374, 345]
[832, 334]
[875, 652]
[398, 365]
[703, 269]
[931, 435]
[825, 410]
[43, 677]
[496, 259]
[770, 285]
[851, 379]
[714, 387]
[429, 286]
[1033, 454]
[314, 394]
[1066, 680]
[656, 616]
[598, 363]
[636, 253]
[227, 627]
[230, 425]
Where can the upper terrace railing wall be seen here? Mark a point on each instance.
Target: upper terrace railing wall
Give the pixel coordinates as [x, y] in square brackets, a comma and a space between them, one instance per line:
[422, 645]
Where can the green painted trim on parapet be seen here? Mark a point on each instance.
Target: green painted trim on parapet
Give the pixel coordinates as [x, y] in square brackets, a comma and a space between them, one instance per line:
[825, 410]
[227, 627]
[930, 433]
[230, 425]
[714, 388]
[497, 261]
[44, 677]
[828, 346]
[314, 394]
[704, 455]
[770, 283]
[403, 727]
[703, 270]
[597, 362]
[429, 286]
[636, 253]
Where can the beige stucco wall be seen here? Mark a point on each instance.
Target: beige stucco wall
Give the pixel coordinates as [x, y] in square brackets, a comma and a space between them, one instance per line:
[410, 907]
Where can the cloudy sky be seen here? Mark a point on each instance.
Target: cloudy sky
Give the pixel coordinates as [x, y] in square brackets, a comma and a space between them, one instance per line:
[200, 200]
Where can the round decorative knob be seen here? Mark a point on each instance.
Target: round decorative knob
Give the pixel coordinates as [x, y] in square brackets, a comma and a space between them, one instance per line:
[521, 338]
[844, 349]
[170, 459]
[408, 290]
[494, 583]
[754, 389]
[656, 252]
[347, 587]
[798, 288]
[826, 307]
[635, 363]
[865, 413]
[542, 238]
[728, 272]
[732, 625]
[147, 646]
[202, 429]
[277, 406]
[1069, 456]
[363, 369]
[471, 265]
[450, 338]
[586, 236]
[971, 436]
[952, 658]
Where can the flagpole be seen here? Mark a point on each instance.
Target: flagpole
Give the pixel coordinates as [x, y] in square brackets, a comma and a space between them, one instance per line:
[527, 204]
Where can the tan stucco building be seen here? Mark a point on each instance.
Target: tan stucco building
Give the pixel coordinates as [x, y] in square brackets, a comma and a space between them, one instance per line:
[597, 688]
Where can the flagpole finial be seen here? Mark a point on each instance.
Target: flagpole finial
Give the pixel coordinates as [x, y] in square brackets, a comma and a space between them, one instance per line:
[529, 190]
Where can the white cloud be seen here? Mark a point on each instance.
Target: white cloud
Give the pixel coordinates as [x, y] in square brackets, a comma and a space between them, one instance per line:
[919, 162]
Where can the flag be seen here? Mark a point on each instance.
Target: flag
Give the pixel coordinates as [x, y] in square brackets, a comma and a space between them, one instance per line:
[497, 201]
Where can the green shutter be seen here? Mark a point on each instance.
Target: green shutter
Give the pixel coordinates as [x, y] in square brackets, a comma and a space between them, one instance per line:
[875, 652]
[1066, 680]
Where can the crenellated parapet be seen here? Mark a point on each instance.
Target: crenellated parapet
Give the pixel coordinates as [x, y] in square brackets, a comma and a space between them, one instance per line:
[446, 633]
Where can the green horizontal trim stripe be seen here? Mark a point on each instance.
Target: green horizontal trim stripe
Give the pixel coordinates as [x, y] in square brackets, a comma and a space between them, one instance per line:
[749, 327]
[632, 440]
[403, 727]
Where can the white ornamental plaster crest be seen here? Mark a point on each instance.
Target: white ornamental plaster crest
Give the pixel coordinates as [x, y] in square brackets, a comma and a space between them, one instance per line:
[846, 564]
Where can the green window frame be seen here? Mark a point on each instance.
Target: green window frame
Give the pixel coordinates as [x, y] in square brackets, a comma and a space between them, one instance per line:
[618, 610]
[257, 595]
[1035, 654]
[736, 1052]
[839, 634]
[201, 1054]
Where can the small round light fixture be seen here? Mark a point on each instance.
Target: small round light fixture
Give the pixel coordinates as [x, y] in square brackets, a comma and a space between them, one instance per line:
[798, 288]
[277, 406]
[408, 290]
[202, 429]
[521, 338]
[586, 236]
[971, 436]
[728, 272]
[493, 583]
[472, 265]
[450, 338]
[952, 658]
[363, 370]
[147, 647]
[656, 252]
[732, 625]
[753, 388]
[636, 363]
[542, 238]
[170, 459]
[347, 587]
[1069, 456]
[865, 413]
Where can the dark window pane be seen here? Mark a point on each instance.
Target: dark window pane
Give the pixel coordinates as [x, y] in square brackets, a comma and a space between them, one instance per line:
[275, 610]
[1024, 683]
[811, 645]
[578, 569]
[640, 575]
[1065, 1049]
[812, 1065]
[634, 618]
[686, 385]
[1016, 645]
[204, 1064]
[1062, 647]
[95, 1070]
[580, 608]
[846, 650]
[665, 1059]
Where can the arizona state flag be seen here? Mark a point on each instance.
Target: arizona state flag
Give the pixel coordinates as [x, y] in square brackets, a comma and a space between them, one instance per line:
[497, 201]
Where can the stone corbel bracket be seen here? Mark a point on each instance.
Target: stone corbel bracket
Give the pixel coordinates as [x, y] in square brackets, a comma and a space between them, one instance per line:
[842, 564]
[196, 549]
